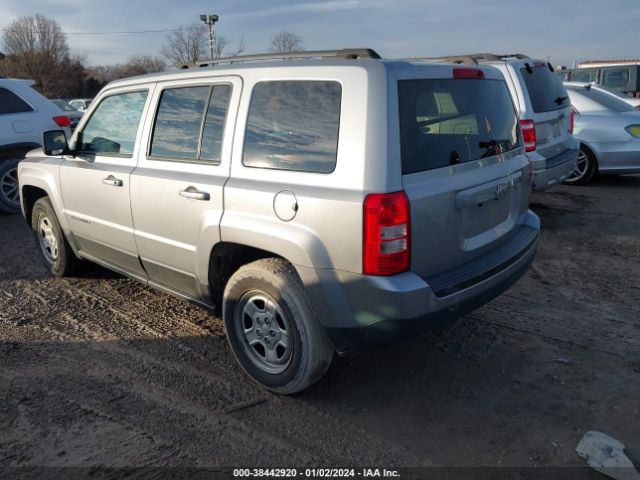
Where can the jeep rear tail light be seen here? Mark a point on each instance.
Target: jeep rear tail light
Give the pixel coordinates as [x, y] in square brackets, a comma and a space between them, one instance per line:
[571, 121]
[386, 242]
[468, 73]
[528, 134]
[62, 121]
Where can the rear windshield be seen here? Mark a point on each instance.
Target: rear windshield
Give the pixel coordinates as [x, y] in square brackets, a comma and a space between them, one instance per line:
[446, 122]
[545, 88]
[604, 99]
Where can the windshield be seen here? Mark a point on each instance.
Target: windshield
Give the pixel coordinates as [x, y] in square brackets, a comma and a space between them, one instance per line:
[64, 106]
[601, 100]
[545, 88]
[446, 122]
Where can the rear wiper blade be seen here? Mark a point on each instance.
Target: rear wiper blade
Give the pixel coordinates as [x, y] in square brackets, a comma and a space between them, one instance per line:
[559, 100]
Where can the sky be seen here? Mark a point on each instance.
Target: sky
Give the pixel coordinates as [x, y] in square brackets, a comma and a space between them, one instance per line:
[562, 30]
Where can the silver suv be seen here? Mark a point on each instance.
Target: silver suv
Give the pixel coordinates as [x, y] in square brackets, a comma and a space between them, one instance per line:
[319, 204]
[544, 108]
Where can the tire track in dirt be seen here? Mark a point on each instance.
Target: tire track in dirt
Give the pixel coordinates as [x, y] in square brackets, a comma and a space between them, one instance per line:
[103, 323]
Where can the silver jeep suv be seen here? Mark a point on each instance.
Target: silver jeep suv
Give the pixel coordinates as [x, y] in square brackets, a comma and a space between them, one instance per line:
[320, 204]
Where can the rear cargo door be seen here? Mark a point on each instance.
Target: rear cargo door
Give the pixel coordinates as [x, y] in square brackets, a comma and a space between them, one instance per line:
[464, 170]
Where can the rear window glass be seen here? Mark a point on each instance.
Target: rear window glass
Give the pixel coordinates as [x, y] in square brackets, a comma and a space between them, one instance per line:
[586, 76]
[178, 122]
[604, 100]
[180, 132]
[293, 125]
[11, 103]
[545, 89]
[446, 122]
[615, 77]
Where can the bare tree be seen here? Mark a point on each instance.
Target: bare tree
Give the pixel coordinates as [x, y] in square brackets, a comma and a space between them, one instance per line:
[222, 45]
[36, 48]
[139, 65]
[286, 42]
[187, 44]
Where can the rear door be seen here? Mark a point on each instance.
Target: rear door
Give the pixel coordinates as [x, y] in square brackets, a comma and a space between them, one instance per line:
[548, 105]
[463, 167]
[176, 190]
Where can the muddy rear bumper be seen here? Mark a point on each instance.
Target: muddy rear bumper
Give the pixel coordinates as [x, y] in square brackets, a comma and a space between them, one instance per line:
[359, 310]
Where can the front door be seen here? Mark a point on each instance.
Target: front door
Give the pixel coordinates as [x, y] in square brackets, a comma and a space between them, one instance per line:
[176, 189]
[95, 183]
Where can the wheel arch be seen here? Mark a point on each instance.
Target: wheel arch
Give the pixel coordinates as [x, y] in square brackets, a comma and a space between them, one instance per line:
[225, 259]
[30, 195]
[592, 151]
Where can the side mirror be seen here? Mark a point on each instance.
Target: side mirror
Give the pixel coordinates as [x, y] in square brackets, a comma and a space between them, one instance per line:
[54, 143]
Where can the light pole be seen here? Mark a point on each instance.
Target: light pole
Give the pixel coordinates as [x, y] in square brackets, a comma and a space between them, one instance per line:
[210, 20]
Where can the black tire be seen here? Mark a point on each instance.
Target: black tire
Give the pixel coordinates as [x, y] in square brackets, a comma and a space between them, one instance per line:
[300, 351]
[9, 189]
[59, 260]
[586, 168]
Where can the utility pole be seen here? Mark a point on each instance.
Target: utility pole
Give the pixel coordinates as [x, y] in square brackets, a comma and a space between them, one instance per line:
[210, 20]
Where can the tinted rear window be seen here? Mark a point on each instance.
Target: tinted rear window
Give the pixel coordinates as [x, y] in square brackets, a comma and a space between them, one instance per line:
[293, 125]
[587, 76]
[11, 103]
[545, 89]
[446, 122]
[616, 77]
[605, 100]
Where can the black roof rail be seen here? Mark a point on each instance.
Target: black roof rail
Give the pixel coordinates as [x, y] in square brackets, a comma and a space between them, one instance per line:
[344, 54]
[475, 58]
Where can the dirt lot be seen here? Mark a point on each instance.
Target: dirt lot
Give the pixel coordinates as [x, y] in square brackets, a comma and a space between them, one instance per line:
[99, 370]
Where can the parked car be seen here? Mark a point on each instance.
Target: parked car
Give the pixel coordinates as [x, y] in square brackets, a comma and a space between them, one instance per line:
[319, 204]
[73, 114]
[24, 115]
[544, 110]
[624, 77]
[609, 132]
[80, 104]
[634, 102]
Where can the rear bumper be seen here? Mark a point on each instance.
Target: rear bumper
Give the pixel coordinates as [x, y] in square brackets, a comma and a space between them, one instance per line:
[556, 170]
[358, 310]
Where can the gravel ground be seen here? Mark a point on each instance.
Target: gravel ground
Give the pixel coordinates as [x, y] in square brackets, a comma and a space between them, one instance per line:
[99, 370]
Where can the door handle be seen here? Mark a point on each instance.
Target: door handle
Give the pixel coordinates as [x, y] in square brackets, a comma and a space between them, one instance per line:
[113, 181]
[194, 194]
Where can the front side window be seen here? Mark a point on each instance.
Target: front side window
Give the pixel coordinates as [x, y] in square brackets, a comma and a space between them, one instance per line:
[450, 121]
[12, 103]
[113, 126]
[615, 77]
[182, 131]
[293, 125]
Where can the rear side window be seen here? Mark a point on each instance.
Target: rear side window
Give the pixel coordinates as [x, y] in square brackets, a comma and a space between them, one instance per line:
[113, 126]
[446, 122]
[182, 131]
[545, 89]
[615, 77]
[586, 76]
[12, 103]
[293, 125]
